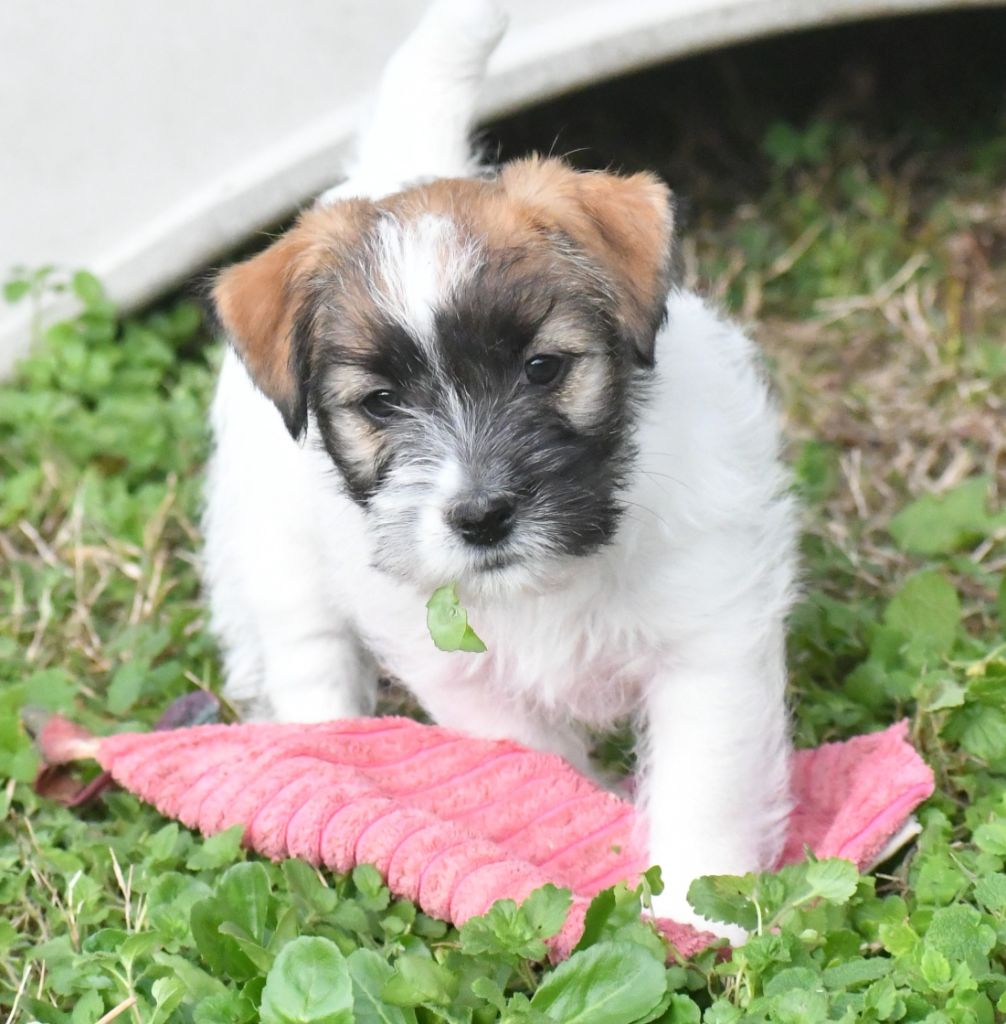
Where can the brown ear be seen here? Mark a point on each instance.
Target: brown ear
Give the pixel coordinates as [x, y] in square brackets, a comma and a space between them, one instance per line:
[625, 223]
[261, 301]
[257, 302]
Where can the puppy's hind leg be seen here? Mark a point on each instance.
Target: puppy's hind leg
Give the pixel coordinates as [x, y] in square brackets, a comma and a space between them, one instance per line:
[290, 650]
[289, 656]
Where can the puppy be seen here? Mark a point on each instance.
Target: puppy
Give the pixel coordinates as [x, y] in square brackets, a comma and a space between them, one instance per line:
[446, 374]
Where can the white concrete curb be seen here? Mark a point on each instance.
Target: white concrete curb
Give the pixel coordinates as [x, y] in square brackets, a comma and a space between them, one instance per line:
[153, 138]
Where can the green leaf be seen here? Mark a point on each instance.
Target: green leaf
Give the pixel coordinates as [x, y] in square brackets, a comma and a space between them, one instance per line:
[501, 931]
[255, 952]
[681, 1010]
[598, 914]
[88, 1008]
[722, 1012]
[288, 927]
[941, 694]
[614, 916]
[88, 288]
[816, 470]
[198, 983]
[218, 850]
[309, 891]
[309, 984]
[243, 893]
[418, 980]
[51, 688]
[228, 1007]
[959, 934]
[990, 836]
[935, 969]
[990, 891]
[139, 944]
[14, 291]
[834, 880]
[448, 624]
[610, 983]
[161, 845]
[801, 1006]
[882, 999]
[167, 993]
[926, 611]
[126, 686]
[373, 893]
[982, 731]
[471, 642]
[513, 932]
[725, 898]
[370, 972]
[855, 972]
[790, 978]
[546, 909]
[241, 898]
[487, 989]
[939, 524]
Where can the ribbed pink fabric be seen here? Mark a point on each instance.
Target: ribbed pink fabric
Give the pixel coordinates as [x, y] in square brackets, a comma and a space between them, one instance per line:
[457, 823]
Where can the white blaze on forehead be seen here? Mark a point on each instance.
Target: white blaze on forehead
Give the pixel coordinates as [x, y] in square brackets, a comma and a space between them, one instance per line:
[421, 264]
[450, 478]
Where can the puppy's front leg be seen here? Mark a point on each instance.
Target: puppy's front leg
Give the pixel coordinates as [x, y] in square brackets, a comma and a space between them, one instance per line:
[318, 675]
[716, 765]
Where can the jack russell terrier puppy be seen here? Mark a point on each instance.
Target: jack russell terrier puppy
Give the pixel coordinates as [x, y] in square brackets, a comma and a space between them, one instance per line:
[444, 373]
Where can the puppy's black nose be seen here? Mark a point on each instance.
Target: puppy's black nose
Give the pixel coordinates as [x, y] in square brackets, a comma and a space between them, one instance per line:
[482, 521]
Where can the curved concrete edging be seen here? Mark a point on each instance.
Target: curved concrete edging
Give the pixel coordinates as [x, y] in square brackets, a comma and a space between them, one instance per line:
[542, 56]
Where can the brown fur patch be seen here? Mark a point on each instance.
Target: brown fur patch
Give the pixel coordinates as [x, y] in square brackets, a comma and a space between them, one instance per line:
[586, 390]
[620, 229]
[258, 300]
[362, 444]
[625, 223]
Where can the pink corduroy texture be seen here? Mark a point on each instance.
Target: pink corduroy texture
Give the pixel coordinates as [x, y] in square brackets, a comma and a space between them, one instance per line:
[456, 823]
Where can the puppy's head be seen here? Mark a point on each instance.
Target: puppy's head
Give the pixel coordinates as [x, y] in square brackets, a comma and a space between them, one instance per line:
[471, 353]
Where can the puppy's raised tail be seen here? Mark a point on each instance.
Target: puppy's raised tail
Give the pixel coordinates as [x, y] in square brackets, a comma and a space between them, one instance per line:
[419, 127]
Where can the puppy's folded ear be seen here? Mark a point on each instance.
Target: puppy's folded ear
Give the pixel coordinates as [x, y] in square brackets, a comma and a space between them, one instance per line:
[265, 303]
[624, 224]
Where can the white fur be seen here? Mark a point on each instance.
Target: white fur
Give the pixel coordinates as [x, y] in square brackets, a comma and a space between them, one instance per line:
[679, 621]
[422, 264]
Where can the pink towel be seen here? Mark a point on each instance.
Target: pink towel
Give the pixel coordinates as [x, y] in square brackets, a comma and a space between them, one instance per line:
[456, 823]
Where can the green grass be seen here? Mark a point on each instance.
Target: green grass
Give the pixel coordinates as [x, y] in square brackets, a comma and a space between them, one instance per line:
[860, 226]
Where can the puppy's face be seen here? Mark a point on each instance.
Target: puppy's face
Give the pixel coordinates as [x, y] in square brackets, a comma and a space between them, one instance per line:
[472, 353]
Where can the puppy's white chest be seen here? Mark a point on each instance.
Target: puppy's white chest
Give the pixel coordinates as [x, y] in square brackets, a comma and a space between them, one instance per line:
[569, 658]
[554, 652]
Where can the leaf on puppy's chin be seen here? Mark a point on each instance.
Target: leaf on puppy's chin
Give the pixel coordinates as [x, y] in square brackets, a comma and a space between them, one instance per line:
[470, 642]
[448, 624]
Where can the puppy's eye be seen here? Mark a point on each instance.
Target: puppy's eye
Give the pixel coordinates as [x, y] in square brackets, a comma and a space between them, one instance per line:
[380, 405]
[543, 369]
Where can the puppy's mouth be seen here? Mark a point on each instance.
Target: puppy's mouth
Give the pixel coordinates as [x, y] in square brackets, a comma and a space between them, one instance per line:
[487, 562]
